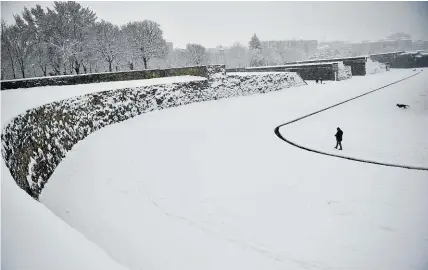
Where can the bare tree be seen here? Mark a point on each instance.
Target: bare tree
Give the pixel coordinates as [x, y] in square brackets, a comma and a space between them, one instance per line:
[105, 40]
[21, 38]
[67, 30]
[196, 54]
[146, 38]
[35, 20]
[90, 58]
[40, 59]
[65, 39]
[129, 53]
[256, 58]
[6, 45]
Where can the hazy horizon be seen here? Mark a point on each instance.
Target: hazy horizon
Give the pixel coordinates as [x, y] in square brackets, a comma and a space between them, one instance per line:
[224, 23]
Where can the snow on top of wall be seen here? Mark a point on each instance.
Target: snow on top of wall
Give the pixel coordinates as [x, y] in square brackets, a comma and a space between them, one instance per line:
[294, 65]
[333, 59]
[397, 52]
[22, 99]
[255, 73]
[90, 74]
[414, 53]
[311, 64]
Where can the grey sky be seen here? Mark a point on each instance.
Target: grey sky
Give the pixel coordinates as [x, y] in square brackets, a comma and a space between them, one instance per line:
[224, 23]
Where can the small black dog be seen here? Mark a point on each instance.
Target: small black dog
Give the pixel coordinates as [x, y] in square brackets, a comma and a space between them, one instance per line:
[404, 106]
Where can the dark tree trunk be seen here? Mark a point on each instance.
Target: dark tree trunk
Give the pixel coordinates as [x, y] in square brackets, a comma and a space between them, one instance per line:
[13, 68]
[109, 66]
[11, 61]
[56, 68]
[21, 64]
[65, 69]
[145, 62]
[76, 67]
[44, 69]
[13, 71]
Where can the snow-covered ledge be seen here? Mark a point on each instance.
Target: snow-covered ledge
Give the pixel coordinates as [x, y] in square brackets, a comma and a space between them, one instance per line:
[35, 142]
[201, 71]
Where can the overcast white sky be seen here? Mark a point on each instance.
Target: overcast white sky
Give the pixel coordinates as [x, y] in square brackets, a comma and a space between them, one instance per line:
[224, 23]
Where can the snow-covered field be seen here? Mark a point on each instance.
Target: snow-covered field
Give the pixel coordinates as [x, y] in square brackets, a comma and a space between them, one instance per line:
[374, 127]
[210, 186]
[32, 237]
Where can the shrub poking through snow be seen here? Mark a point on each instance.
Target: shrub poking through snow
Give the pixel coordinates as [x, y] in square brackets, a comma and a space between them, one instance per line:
[344, 72]
[374, 67]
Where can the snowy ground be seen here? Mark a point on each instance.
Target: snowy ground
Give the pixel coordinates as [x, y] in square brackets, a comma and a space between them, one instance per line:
[209, 185]
[17, 101]
[374, 127]
[31, 232]
[314, 82]
[33, 237]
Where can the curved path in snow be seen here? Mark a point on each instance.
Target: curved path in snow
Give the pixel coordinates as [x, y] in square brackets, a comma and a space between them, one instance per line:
[277, 133]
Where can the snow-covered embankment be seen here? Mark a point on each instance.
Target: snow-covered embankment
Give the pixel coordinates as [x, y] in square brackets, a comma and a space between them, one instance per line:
[35, 142]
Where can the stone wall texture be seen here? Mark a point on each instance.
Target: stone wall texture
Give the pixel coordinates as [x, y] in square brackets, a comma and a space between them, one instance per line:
[316, 71]
[357, 64]
[403, 59]
[104, 77]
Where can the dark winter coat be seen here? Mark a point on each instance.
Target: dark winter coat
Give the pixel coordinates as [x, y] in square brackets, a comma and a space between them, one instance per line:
[339, 135]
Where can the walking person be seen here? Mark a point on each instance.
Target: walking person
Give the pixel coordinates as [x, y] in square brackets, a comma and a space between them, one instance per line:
[339, 136]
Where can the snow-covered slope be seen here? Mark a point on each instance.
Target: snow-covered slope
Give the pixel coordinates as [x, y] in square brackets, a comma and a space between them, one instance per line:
[35, 142]
[209, 186]
[15, 249]
[32, 237]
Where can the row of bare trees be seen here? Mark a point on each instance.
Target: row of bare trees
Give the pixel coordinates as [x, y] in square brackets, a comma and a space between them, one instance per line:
[68, 39]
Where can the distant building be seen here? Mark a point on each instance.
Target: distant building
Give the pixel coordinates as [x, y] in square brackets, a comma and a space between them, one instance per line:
[307, 46]
[420, 45]
[381, 46]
